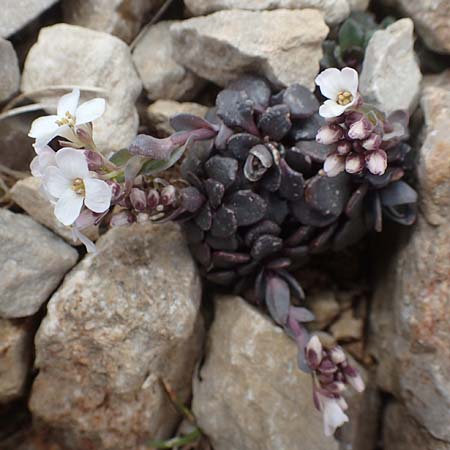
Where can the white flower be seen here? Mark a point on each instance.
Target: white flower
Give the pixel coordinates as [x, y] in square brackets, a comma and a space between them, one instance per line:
[45, 157]
[333, 414]
[68, 116]
[72, 185]
[340, 87]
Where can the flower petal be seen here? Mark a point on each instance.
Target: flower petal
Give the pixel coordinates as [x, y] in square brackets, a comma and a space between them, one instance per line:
[43, 126]
[35, 167]
[354, 163]
[98, 195]
[68, 103]
[72, 163]
[329, 82]
[333, 416]
[68, 207]
[331, 109]
[90, 111]
[334, 165]
[376, 162]
[349, 80]
[55, 182]
[78, 235]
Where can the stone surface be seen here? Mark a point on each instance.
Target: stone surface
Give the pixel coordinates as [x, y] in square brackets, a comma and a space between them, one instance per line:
[282, 45]
[160, 112]
[410, 336]
[391, 77]
[32, 263]
[28, 195]
[16, 344]
[18, 13]
[334, 11]
[249, 393]
[122, 18]
[402, 432]
[122, 319]
[324, 306]
[358, 5]
[9, 70]
[71, 55]
[162, 76]
[347, 327]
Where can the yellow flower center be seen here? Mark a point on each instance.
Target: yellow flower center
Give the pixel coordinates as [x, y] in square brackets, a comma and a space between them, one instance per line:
[68, 119]
[78, 186]
[344, 98]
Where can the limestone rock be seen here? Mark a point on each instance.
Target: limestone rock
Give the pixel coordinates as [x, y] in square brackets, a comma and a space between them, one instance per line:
[162, 76]
[28, 195]
[15, 353]
[160, 112]
[32, 263]
[324, 306]
[358, 5]
[282, 45]
[122, 319]
[71, 55]
[18, 13]
[9, 70]
[347, 327]
[334, 11]
[391, 77]
[16, 151]
[122, 18]
[249, 393]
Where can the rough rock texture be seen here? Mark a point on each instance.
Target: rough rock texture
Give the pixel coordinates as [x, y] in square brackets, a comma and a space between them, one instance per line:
[71, 55]
[334, 11]
[18, 13]
[347, 327]
[16, 151]
[32, 263]
[9, 70]
[28, 195]
[249, 393]
[160, 112]
[324, 306]
[122, 18]
[282, 45]
[162, 76]
[411, 308]
[358, 5]
[122, 319]
[15, 351]
[391, 76]
[402, 432]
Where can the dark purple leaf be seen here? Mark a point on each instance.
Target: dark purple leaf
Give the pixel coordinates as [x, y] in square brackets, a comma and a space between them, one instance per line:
[222, 137]
[231, 243]
[248, 207]
[240, 144]
[264, 227]
[306, 215]
[303, 233]
[222, 169]
[227, 260]
[301, 314]
[257, 89]
[191, 199]
[293, 283]
[214, 190]
[266, 245]
[300, 101]
[398, 193]
[223, 278]
[292, 182]
[317, 152]
[306, 129]
[278, 299]
[204, 218]
[193, 233]
[279, 263]
[224, 223]
[356, 200]
[275, 122]
[202, 253]
[277, 208]
[350, 233]
[320, 243]
[299, 161]
[189, 122]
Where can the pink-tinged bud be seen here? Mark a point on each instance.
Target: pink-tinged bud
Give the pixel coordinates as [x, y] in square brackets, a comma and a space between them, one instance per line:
[138, 199]
[314, 352]
[334, 165]
[336, 387]
[337, 355]
[354, 378]
[121, 219]
[329, 134]
[153, 199]
[351, 117]
[342, 403]
[343, 147]
[373, 142]
[116, 191]
[376, 162]
[360, 129]
[354, 163]
[168, 195]
[326, 378]
[94, 160]
[327, 367]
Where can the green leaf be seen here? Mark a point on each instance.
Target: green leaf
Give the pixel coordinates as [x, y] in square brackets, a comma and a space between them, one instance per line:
[328, 60]
[351, 34]
[154, 166]
[121, 157]
[177, 441]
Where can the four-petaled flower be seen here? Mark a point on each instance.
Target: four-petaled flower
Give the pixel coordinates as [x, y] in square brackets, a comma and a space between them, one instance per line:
[333, 414]
[68, 117]
[341, 89]
[70, 182]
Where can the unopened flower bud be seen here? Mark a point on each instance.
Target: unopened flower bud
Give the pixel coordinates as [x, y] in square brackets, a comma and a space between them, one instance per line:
[354, 378]
[121, 219]
[116, 191]
[342, 403]
[360, 129]
[343, 147]
[336, 387]
[138, 199]
[329, 134]
[376, 162]
[168, 195]
[314, 352]
[94, 160]
[372, 142]
[354, 163]
[337, 355]
[153, 199]
[327, 367]
[334, 164]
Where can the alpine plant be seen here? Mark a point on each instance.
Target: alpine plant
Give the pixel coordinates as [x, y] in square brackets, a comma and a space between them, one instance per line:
[263, 182]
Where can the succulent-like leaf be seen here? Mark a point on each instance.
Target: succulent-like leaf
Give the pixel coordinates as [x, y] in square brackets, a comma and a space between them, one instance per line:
[278, 299]
[222, 169]
[265, 245]
[301, 101]
[257, 89]
[224, 223]
[189, 122]
[226, 260]
[248, 206]
[215, 191]
[264, 227]
[275, 122]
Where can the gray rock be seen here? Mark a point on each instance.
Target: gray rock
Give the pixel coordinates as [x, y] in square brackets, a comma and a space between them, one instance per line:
[249, 393]
[162, 76]
[122, 18]
[16, 343]
[160, 113]
[334, 11]
[402, 432]
[18, 13]
[410, 334]
[358, 5]
[16, 151]
[9, 70]
[347, 327]
[391, 77]
[282, 45]
[32, 263]
[324, 306]
[71, 55]
[122, 320]
[28, 195]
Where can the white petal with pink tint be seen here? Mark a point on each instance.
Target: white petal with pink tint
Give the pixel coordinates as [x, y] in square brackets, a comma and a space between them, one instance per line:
[68, 103]
[72, 163]
[90, 111]
[68, 207]
[98, 195]
[377, 162]
[333, 416]
[334, 165]
[354, 163]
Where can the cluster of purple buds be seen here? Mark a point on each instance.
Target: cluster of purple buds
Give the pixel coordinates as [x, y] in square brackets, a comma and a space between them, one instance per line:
[358, 142]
